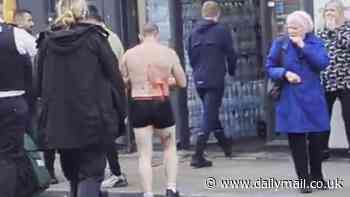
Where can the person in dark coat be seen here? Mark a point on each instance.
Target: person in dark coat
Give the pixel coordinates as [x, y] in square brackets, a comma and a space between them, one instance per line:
[117, 177]
[211, 54]
[301, 111]
[82, 92]
[24, 20]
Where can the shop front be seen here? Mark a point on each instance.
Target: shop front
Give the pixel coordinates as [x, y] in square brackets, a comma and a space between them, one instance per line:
[246, 111]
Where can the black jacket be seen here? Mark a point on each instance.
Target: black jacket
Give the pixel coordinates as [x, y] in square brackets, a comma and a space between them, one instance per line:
[83, 97]
[211, 54]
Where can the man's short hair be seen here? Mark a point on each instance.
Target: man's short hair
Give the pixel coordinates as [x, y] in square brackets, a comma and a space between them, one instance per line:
[22, 12]
[210, 9]
[94, 14]
[149, 29]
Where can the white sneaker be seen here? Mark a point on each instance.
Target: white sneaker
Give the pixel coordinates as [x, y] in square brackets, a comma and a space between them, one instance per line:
[114, 181]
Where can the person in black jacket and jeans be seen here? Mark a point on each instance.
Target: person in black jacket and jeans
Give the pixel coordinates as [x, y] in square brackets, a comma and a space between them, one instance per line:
[211, 55]
[83, 96]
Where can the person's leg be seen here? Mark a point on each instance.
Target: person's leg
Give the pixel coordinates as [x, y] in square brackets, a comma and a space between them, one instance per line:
[345, 102]
[92, 164]
[213, 104]
[13, 124]
[49, 158]
[297, 144]
[213, 101]
[113, 159]
[70, 169]
[143, 137]
[117, 179]
[168, 139]
[198, 159]
[331, 98]
[315, 153]
[7, 178]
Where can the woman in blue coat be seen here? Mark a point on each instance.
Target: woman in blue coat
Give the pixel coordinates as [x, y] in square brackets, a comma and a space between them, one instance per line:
[301, 111]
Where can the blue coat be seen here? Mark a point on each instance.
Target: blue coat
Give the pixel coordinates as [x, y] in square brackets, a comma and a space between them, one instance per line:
[302, 107]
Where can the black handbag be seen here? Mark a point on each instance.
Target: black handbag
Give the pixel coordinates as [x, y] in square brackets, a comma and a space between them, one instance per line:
[275, 86]
[275, 90]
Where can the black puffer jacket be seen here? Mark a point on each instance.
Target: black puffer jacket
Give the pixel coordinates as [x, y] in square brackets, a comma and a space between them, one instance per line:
[83, 97]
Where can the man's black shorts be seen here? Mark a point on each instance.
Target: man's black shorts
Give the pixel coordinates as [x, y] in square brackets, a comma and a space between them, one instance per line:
[156, 113]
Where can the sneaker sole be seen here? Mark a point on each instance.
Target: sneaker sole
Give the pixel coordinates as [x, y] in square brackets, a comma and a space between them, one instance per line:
[121, 185]
[201, 166]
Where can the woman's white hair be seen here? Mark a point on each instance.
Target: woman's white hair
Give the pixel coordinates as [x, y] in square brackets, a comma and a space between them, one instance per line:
[303, 19]
[338, 4]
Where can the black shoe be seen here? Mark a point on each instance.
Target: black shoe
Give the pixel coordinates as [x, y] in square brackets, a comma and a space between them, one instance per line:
[228, 152]
[305, 190]
[181, 146]
[200, 162]
[53, 181]
[171, 193]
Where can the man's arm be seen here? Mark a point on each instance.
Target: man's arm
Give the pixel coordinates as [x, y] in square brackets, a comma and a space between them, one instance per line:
[25, 43]
[178, 72]
[230, 52]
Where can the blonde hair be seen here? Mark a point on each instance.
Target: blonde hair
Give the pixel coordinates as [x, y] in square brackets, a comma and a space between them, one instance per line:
[303, 19]
[338, 4]
[70, 11]
[210, 9]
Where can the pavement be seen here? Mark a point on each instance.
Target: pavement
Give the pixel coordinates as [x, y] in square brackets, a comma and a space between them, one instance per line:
[255, 164]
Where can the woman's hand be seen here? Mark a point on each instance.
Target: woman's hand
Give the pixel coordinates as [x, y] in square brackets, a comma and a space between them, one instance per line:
[299, 41]
[171, 81]
[292, 77]
[331, 22]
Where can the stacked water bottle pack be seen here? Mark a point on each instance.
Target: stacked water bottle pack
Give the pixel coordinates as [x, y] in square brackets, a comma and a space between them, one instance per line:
[243, 103]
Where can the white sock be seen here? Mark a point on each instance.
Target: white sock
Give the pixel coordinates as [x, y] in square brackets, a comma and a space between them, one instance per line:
[148, 194]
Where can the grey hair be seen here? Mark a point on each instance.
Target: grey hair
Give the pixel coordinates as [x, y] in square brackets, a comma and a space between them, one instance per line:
[303, 19]
[338, 4]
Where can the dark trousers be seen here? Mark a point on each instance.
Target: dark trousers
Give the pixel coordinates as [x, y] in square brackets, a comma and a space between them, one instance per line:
[307, 155]
[84, 168]
[344, 97]
[211, 101]
[8, 178]
[49, 158]
[14, 170]
[113, 159]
